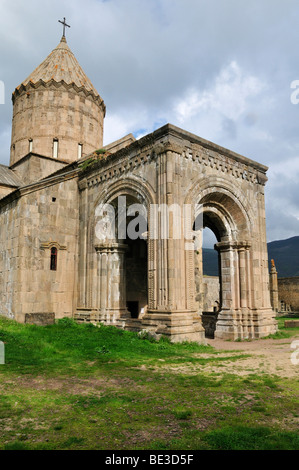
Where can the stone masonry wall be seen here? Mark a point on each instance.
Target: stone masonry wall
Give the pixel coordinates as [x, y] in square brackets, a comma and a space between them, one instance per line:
[35, 167]
[288, 292]
[9, 256]
[211, 288]
[34, 223]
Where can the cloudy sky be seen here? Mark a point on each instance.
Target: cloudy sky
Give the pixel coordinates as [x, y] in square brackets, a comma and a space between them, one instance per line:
[221, 69]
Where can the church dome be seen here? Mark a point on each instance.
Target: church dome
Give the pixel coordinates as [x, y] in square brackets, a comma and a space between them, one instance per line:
[57, 112]
[60, 66]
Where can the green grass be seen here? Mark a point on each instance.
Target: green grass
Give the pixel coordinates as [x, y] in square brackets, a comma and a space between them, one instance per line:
[70, 386]
[281, 320]
[67, 347]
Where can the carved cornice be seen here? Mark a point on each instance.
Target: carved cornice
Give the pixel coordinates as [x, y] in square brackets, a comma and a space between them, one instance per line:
[171, 139]
[225, 165]
[113, 168]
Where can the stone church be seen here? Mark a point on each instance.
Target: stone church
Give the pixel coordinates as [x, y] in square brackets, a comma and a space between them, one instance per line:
[61, 252]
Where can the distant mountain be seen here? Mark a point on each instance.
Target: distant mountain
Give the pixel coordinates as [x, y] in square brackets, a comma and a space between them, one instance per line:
[286, 256]
[210, 262]
[284, 252]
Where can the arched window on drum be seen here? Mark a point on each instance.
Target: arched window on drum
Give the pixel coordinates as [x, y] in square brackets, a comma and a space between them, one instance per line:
[53, 262]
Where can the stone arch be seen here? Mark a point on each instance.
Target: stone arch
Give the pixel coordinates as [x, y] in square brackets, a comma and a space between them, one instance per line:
[225, 210]
[111, 255]
[229, 201]
[219, 221]
[131, 185]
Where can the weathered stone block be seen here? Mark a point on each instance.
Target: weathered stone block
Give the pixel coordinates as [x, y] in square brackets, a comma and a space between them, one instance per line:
[40, 319]
[291, 323]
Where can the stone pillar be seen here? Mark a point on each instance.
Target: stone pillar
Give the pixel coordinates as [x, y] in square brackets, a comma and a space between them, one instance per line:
[245, 282]
[83, 256]
[240, 317]
[226, 327]
[174, 314]
[274, 287]
[234, 319]
[243, 277]
[111, 283]
[198, 272]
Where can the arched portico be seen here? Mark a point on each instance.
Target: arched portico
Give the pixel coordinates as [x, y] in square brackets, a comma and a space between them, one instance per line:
[176, 177]
[244, 310]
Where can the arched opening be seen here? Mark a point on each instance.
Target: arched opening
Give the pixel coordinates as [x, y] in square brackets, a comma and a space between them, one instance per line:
[217, 278]
[211, 273]
[207, 265]
[136, 268]
[136, 277]
[210, 259]
[211, 276]
[53, 259]
[131, 227]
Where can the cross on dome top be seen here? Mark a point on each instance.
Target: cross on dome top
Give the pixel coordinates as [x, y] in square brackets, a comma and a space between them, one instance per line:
[64, 25]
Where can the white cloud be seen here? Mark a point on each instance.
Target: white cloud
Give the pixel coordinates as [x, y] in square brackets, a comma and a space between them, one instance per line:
[228, 95]
[5, 139]
[117, 125]
[219, 69]
[230, 102]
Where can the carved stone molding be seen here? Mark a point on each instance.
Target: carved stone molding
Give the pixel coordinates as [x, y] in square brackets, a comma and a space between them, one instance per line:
[49, 245]
[232, 245]
[62, 84]
[111, 248]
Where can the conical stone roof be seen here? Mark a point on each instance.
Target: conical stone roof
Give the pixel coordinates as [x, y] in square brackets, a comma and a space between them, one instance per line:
[60, 66]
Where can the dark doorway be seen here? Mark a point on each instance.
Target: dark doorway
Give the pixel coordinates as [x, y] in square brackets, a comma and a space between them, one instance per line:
[133, 307]
[136, 276]
[136, 265]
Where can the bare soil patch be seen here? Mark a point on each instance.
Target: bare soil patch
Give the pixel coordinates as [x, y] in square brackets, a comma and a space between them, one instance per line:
[268, 356]
[264, 356]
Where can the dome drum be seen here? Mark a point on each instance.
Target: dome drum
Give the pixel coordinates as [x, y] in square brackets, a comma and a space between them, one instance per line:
[57, 112]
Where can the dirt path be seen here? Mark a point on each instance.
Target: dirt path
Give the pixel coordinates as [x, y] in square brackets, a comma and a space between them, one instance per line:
[268, 356]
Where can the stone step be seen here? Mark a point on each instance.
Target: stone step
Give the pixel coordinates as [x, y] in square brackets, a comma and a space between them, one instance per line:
[291, 323]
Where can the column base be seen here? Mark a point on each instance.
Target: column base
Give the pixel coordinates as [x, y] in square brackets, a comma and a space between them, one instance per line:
[108, 317]
[245, 324]
[178, 326]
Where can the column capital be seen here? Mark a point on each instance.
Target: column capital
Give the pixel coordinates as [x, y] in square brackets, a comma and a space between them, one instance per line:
[82, 184]
[111, 248]
[233, 245]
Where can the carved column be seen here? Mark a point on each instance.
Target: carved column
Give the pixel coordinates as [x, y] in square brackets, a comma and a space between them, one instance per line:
[274, 286]
[244, 276]
[234, 320]
[174, 310]
[111, 282]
